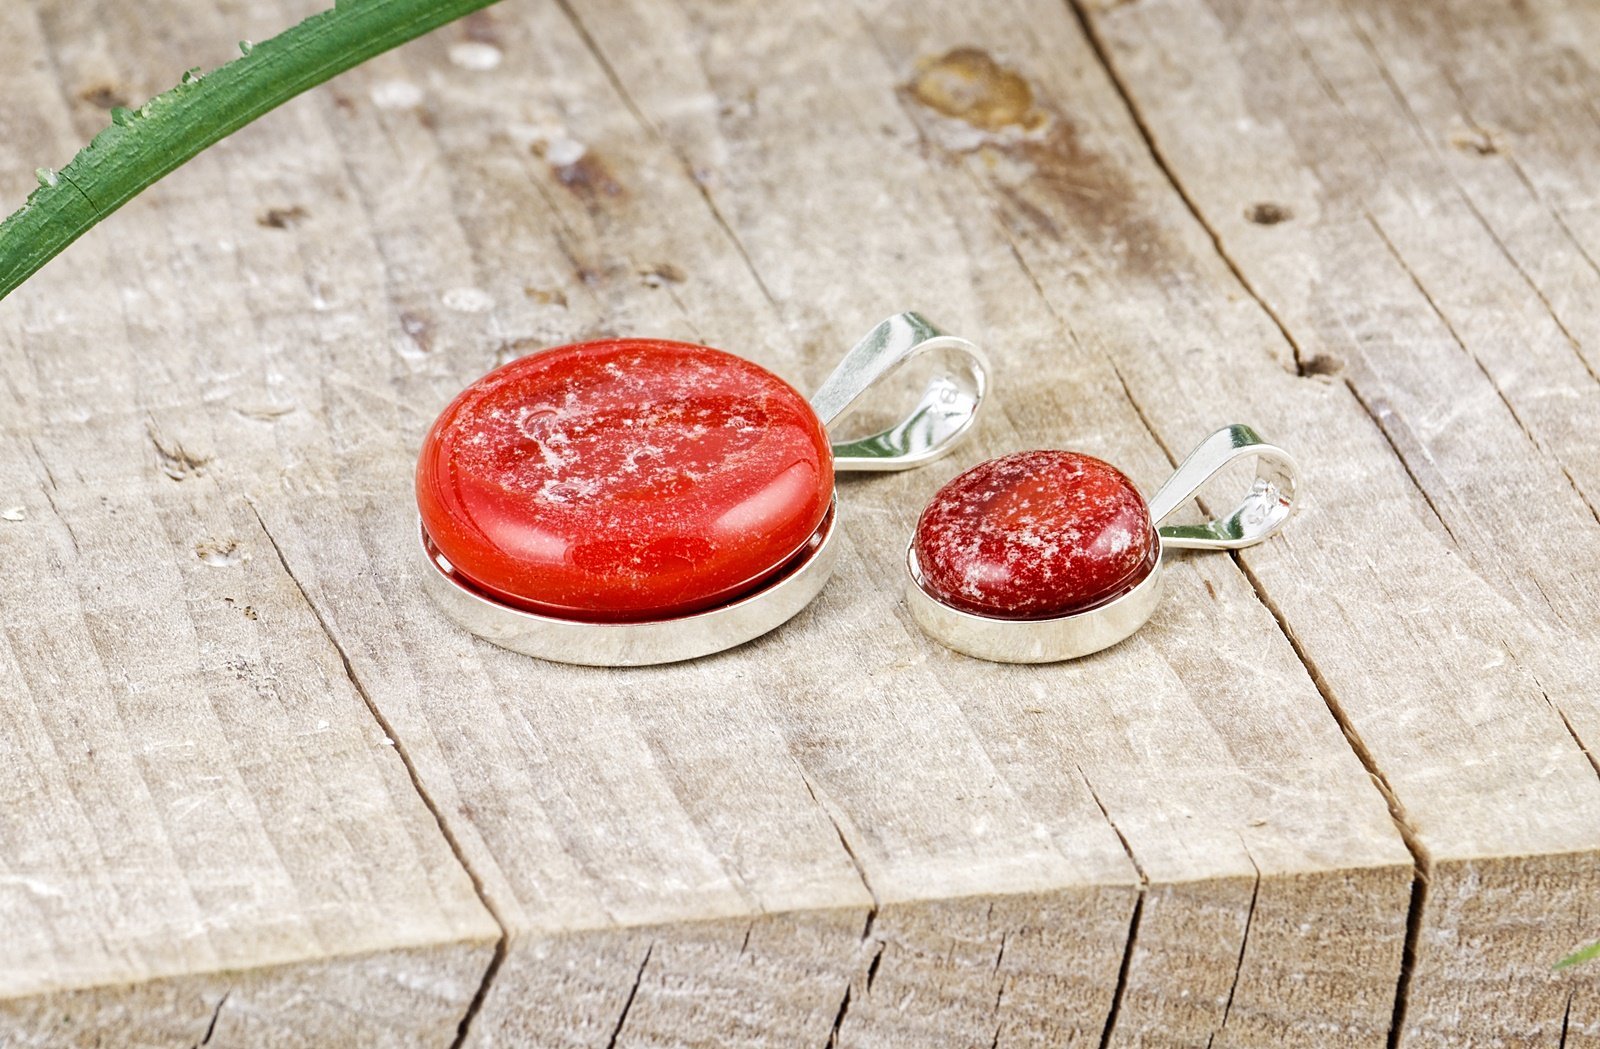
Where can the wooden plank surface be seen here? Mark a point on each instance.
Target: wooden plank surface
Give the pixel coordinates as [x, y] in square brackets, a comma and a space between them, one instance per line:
[257, 792]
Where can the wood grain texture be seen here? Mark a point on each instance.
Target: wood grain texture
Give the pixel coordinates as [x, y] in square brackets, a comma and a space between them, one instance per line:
[306, 787]
[1418, 258]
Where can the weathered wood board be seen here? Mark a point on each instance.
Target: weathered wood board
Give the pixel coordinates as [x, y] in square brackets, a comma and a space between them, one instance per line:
[1342, 790]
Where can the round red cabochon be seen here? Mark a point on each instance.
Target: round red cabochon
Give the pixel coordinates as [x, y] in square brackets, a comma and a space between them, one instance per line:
[1035, 535]
[624, 480]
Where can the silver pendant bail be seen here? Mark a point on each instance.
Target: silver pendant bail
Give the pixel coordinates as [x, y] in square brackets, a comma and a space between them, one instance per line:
[1265, 509]
[942, 416]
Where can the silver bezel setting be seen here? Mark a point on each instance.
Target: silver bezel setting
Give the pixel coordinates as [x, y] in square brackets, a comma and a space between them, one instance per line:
[641, 643]
[1032, 640]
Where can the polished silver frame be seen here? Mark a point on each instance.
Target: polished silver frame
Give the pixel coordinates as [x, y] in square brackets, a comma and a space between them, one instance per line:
[1263, 511]
[943, 416]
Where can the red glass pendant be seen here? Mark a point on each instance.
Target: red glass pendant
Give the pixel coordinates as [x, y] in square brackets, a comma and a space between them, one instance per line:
[624, 480]
[636, 501]
[1044, 556]
[1035, 534]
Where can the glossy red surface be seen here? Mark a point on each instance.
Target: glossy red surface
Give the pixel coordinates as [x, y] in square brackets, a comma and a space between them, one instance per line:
[624, 480]
[1035, 535]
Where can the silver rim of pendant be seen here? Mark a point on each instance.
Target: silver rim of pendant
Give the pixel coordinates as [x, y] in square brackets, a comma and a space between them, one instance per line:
[941, 418]
[1264, 510]
[639, 643]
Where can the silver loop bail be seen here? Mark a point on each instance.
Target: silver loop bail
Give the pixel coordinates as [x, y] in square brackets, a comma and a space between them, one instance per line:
[1264, 510]
[942, 416]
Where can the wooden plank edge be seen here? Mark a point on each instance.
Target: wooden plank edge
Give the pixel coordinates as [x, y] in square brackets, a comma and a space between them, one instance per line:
[413, 995]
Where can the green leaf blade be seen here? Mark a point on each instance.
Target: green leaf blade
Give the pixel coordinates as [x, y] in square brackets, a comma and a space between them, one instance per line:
[140, 147]
[1588, 953]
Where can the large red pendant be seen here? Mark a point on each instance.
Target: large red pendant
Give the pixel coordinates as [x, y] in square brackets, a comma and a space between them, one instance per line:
[1036, 535]
[624, 480]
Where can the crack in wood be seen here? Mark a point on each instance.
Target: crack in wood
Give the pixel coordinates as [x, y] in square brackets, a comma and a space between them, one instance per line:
[838, 1021]
[1121, 986]
[401, 752]
[1157, 157]
[1408, 957]
[1592, 505]
[1139, 412]
[1378, 421]
[1594, 759]
[1420, 859]
[1122, 972]
[1000, 986]
[627, 1006]
[1438, 312]
[850, 851]
[44, 464]
[464, 1028]
[1127, 848]
[650, 128]
[49, 490]
[1352, 737]
[1405, 106]
[1244, 943]
[872, 912]
[211, 1028]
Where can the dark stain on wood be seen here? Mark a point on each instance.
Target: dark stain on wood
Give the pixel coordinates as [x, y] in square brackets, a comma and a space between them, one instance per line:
[177, 462]
[662, 273]
[282, 218]
[546, 296]
[1268, 213]
[104, 96]
[248, 611]
[1077, 187]
[967, 84]
[419, 328]
[1478, 141]
[1321, 364]
[1049, 182]
[480, 27]
[589, 178]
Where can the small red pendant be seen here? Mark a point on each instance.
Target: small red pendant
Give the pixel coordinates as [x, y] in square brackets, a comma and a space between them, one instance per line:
[1036, 535]
[624, 480]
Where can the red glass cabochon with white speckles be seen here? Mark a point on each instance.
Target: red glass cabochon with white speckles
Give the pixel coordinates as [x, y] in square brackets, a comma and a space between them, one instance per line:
[1035, 535]
[624, 480]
